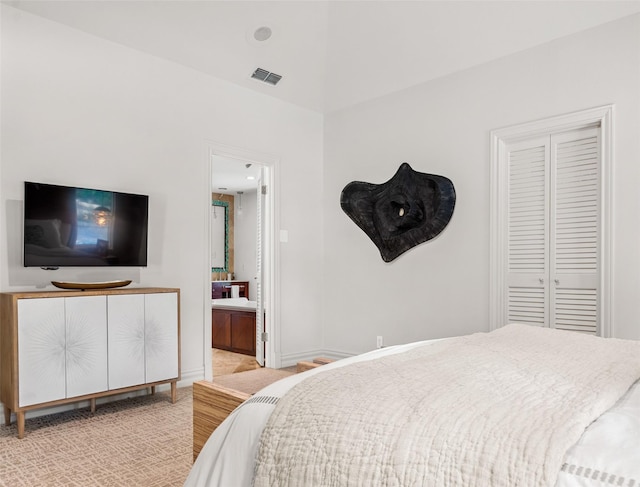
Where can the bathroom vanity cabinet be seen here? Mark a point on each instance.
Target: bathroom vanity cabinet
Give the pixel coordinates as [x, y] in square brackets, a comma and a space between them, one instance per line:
[234, 330]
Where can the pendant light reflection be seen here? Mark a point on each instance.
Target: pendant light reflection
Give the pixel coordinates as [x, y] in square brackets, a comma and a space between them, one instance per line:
[102, 215]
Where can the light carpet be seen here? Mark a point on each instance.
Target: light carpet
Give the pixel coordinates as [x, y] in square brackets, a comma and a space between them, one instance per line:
[143, 441]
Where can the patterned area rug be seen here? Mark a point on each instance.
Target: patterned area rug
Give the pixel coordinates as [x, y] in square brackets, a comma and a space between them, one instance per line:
[144, 441]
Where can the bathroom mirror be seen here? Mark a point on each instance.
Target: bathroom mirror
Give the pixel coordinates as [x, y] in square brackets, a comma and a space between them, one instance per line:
[219, 236]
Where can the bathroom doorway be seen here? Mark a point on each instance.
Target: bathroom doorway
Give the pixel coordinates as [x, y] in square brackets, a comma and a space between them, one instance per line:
[242, 189]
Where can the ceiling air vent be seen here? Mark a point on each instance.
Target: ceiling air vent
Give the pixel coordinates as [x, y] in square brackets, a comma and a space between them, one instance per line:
[266, 76]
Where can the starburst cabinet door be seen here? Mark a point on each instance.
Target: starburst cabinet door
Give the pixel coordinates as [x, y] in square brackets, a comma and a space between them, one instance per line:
[41, 351]
[143, 338]
[161, 336]
[86, 348]
[126, 340]
[62, 348]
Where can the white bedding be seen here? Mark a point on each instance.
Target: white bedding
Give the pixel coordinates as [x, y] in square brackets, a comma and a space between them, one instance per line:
[606, 454]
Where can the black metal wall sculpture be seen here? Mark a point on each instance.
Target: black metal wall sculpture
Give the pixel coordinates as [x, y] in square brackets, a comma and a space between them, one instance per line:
[409, 209]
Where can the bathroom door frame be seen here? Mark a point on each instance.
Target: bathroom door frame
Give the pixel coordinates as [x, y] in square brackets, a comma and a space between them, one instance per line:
[271, 283]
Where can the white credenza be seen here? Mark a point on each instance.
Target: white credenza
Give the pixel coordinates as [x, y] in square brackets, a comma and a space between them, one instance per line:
[66, 346]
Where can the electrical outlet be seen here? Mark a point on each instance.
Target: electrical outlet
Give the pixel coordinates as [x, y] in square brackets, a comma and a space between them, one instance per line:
[379, 342]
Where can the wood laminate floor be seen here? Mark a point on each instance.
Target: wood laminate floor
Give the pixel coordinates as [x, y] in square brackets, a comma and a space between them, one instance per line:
[225, 363]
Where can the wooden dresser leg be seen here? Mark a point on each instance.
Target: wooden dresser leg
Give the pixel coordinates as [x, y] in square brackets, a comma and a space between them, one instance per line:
[173, 392]
[92, 402]
[153, 390]
[7, 415]
[20, 421]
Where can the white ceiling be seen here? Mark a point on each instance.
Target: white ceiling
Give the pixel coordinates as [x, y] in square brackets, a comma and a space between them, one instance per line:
[331, 54]
[230, 176]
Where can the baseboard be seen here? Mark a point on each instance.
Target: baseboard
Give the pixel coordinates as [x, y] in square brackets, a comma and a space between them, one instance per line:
[338, 354]
[187, 378]
[291, 359]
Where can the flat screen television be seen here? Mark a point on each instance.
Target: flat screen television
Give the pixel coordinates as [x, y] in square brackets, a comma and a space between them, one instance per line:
[78, 227]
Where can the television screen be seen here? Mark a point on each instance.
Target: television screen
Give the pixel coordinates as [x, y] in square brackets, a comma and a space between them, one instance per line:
[67, 226]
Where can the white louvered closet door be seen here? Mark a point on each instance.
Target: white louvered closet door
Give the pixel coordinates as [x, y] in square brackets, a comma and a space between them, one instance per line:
[575, 164]
[528, 232]
[553, 231]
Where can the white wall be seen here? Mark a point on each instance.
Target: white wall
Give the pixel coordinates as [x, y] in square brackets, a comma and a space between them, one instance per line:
[442, 127]
[78, 110]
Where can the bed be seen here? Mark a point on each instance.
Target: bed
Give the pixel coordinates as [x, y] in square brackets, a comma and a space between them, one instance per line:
[521, 405]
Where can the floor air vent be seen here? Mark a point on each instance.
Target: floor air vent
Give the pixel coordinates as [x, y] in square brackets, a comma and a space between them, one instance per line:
[266, 76]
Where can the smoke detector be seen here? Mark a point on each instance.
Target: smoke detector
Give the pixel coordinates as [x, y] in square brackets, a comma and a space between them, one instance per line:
[262, 33]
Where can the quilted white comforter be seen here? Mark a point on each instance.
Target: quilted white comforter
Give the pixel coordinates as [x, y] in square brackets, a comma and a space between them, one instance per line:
[490, 409]
[494, 417]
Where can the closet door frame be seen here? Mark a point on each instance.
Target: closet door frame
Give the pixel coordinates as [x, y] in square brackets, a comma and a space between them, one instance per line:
[601, 117]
